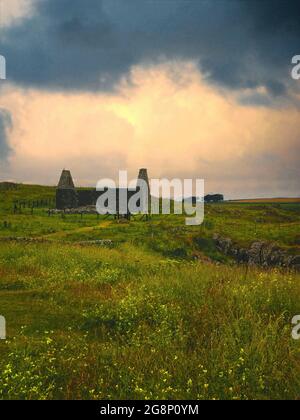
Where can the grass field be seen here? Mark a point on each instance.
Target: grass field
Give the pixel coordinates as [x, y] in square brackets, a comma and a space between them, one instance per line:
[159, 315]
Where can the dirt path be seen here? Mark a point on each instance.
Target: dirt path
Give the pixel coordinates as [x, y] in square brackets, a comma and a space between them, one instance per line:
[62, 234]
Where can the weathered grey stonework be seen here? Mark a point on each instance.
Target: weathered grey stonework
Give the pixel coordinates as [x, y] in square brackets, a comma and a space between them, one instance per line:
[66, 181]
[261, 253]
[68, 197]
[66, 194]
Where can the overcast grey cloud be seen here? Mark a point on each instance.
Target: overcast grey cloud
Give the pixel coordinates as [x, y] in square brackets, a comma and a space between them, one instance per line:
[91, 45]
[5, 125]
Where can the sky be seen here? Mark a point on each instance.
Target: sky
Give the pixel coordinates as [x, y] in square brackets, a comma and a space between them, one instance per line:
[185, 88]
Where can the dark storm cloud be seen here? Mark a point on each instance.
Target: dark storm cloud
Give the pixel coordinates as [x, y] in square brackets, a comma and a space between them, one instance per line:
[5, 125]
[90, 45]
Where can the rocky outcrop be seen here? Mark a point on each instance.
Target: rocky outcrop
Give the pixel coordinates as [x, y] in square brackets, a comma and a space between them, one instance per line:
[24, 240]
[260, 253]
[78, 210]
[106, 243]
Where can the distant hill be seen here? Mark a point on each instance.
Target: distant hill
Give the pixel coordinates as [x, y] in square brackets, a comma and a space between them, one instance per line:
[268, 200]
[11, 193]
[6, 186]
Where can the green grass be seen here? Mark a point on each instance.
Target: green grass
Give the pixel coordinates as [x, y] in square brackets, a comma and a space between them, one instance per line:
[243, 222]
[145, 319]
[122, 323]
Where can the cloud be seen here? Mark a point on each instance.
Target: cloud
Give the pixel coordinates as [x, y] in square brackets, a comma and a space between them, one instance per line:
[14, 10]
[5, 126]
[91, 46]
[186, 130]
